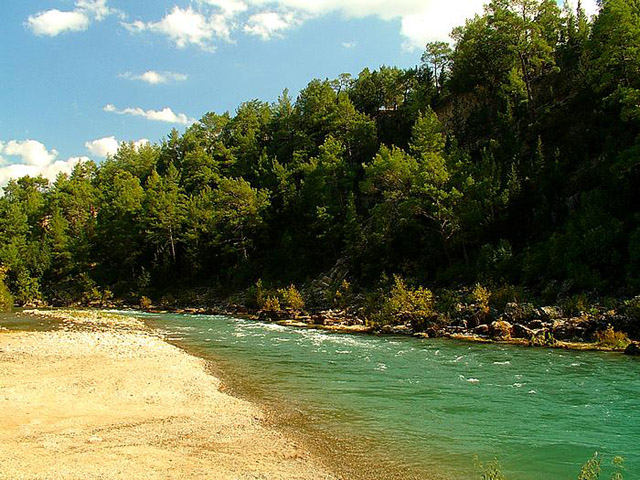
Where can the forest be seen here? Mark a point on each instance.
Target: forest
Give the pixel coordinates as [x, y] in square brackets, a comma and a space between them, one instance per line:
[509, 157]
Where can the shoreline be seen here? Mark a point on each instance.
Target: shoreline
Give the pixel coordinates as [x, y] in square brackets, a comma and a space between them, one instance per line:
[342, 325]
[106, 397]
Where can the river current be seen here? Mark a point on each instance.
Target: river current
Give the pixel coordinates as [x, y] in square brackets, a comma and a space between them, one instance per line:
[424, 406]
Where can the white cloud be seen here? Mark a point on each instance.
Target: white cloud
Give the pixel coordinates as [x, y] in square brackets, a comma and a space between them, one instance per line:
[154, 78]
[52, 23]
[349, 45]
[267, 25]
[32, 158]
[108, 146]
[188, 27]
[96, 8]
[31, 152]
[141, 143]
[230, 7]
[165, 115]
[102, 147]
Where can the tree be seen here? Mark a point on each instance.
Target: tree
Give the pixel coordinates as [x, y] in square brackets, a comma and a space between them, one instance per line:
[238, 214]
[437, 57]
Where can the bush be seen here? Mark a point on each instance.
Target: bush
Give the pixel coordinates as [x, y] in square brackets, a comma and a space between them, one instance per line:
[343, 295]
[481, 296]
[271, 304]
[145, 303]
[290, 297]
[575, 305]
[506, 294]
[6, 299]
[405, 303]
[612, 339]
[542, 339]
[447, 302]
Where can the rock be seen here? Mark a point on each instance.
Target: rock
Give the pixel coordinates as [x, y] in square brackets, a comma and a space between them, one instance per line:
[318, 319]
[536, 324]
[633, 349]
[549, 313]
[500, 329]
[520, 331]
[481, 329]
[519, 312]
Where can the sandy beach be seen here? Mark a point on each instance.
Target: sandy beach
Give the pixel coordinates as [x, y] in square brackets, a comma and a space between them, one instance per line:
[106, 398]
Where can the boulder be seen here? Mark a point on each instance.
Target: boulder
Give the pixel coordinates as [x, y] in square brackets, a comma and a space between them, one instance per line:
[519, 312]
[482, 329]
[633, 349]
[520, 331]
[500, 329]
[549, 313]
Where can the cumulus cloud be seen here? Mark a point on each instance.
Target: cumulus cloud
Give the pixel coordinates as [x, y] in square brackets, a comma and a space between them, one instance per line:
[187, 26]
[30, 157]
[103, 147]
[349, 45]
[108, 146]
[165, 115]
[420, 21]
[154, 78]
[267, 25]
[31, 152]
[52, 23]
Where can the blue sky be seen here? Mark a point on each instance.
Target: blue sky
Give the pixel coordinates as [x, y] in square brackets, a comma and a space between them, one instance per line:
[79, 76]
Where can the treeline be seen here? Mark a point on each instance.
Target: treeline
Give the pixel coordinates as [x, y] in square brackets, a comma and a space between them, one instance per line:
[510, 157]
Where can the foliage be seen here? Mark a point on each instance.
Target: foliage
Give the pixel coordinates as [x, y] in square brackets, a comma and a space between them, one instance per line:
[612, 339]
[145, 303]
[576, 304]
[271, 304]
[481, 296]
[507, 158]
[290, 297]
[6, 299]
[543, 338]
[405, 303]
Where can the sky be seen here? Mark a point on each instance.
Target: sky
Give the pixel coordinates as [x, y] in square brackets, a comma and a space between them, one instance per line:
[81, 76]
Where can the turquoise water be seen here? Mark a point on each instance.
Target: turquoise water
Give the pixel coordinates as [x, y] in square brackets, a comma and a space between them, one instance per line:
[433, 405]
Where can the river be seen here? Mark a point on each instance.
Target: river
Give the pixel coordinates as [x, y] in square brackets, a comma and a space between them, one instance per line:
[399, 404]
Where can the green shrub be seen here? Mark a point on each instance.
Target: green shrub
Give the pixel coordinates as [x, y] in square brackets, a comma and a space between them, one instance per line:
[290, 297]
[612, 339]
[575, 305]
[145, 303]
[481, 296]
[343, 294]
[506, 294]
[6, 299]
[632, 308]
[271, 304]
[542, 339]
[447, 301]
[403, 302]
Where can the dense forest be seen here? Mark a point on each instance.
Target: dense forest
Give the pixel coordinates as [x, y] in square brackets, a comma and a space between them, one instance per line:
[509, 157]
